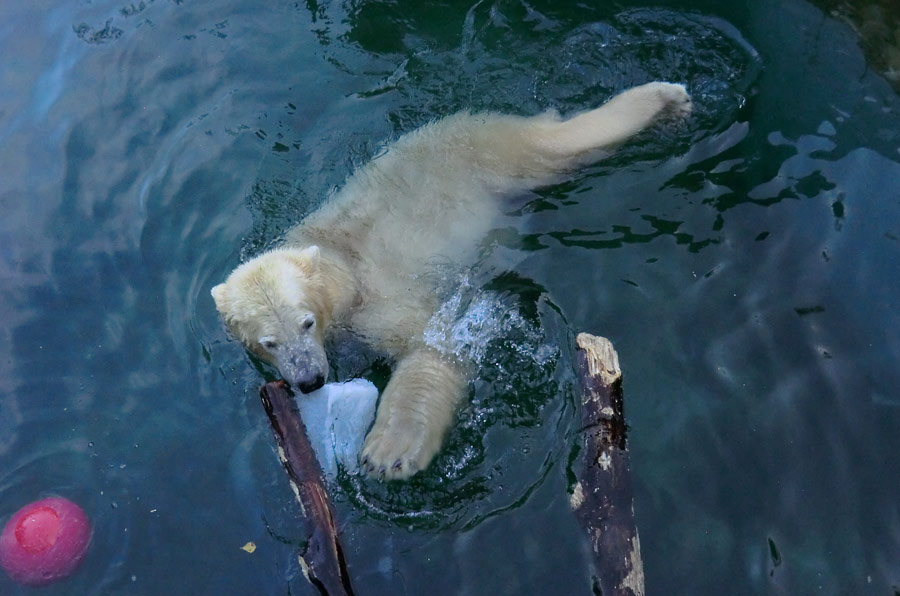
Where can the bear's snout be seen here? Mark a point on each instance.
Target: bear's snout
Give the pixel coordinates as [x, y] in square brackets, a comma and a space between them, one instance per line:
[311, 385]
[303, 365]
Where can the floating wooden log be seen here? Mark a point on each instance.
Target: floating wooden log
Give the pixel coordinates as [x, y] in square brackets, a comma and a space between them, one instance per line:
[602, 495]
[322, 561]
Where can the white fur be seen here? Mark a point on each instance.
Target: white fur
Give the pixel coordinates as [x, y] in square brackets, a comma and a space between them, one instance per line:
[365, 258]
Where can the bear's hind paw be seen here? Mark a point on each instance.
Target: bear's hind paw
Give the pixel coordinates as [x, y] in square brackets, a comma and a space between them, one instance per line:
[674, 97]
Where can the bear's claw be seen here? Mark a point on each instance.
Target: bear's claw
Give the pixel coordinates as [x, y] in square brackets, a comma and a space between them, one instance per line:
[389, 460]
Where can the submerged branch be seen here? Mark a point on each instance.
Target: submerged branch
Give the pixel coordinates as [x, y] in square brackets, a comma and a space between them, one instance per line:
[323, 559]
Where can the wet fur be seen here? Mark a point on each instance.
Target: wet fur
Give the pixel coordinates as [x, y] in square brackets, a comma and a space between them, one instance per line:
[364, 259]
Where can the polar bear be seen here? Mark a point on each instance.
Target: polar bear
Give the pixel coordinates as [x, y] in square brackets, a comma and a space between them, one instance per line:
[366, 260]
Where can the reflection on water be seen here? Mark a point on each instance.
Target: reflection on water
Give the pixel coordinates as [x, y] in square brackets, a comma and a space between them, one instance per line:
[744, 264]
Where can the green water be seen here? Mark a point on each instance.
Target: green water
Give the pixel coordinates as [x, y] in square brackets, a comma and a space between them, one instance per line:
[745, 265]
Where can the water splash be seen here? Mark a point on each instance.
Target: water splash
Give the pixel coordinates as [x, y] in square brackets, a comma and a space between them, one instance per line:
[472, 325]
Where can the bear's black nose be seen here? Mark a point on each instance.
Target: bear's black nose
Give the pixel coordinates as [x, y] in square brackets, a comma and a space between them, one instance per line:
[308, 386]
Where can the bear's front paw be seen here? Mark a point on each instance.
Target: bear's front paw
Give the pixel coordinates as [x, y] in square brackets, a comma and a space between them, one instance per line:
[395, 454]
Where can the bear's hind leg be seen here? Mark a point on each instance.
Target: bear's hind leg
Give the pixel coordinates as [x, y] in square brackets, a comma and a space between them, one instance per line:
[415, 412]
[616, 121]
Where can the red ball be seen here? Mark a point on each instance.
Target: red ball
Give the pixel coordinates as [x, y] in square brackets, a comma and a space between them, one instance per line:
[44, 541]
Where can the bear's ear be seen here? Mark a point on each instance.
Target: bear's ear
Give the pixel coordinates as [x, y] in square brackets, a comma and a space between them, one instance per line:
[219, 294]
[307, 260]
[311, 254]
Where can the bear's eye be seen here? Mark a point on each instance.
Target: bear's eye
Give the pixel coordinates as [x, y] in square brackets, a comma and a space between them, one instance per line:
[268, 343]
[307, 323]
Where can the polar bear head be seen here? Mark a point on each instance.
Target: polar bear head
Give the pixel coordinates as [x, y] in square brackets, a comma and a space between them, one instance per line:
[276, 304]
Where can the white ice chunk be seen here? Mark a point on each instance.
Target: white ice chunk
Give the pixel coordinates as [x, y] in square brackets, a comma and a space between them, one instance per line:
[337, 417]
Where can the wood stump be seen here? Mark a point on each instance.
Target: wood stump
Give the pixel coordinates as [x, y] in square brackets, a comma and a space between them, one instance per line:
[602, 495]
